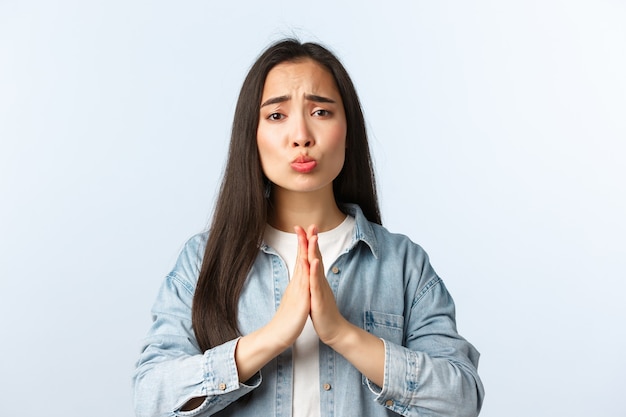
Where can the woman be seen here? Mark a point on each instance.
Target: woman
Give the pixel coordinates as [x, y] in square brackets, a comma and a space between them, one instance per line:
[297, 301]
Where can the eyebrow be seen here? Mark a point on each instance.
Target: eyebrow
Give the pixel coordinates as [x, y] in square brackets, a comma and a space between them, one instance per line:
[310, 97]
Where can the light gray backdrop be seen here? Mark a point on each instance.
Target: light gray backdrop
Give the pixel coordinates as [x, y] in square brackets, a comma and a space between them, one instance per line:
[498, 132]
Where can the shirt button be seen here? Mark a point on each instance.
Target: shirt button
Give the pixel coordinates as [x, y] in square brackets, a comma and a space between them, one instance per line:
[389, 403]
[327, 387]
[335, 270]
[222, 386]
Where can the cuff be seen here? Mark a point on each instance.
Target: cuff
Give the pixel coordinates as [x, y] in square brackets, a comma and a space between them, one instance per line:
[400, 378]
[221, 385]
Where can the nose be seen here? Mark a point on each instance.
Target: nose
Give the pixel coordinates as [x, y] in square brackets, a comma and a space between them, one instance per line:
[301, 135]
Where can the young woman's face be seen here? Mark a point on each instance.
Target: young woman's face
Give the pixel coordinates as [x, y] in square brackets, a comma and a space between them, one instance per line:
[301, 135]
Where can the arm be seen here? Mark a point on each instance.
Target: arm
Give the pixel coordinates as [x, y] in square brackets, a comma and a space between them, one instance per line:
[172, 371]
[435, 371]
[363, 350]
[259, 347]
[432, 372]
[173, 374]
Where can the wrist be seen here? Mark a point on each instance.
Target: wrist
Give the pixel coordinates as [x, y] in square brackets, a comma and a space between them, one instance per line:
[254, 350]
[363, 350]
[345, 338]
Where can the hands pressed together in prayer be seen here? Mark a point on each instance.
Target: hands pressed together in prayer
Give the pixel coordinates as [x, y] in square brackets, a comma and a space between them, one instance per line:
[309, 294]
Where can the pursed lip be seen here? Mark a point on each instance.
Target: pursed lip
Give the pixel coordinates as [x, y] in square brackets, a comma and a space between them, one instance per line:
[303, 158]
[303, 164]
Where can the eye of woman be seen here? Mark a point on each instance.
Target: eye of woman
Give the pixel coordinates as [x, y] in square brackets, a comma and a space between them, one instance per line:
[275, 116]
[321, 113]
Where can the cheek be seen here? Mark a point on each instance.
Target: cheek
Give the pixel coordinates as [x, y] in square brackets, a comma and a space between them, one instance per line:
[338, 136]
[268, 154]
[267, 142]
[341, 158]
[262, 152]
[339, 148]
[264, 145]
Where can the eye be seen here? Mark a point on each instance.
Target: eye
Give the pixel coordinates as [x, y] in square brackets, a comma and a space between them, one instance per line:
[321, 113]
[275, 116]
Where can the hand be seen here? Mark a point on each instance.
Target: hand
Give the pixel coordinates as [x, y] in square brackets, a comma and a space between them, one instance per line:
[362, 349]
[308, 293]
[295, 305]
[328, 322]
[254, 350]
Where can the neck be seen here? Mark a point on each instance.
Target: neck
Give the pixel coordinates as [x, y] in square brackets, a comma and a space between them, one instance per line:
[303, 209]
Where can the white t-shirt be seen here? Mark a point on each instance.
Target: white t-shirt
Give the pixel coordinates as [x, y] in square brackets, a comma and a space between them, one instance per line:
[306, 378]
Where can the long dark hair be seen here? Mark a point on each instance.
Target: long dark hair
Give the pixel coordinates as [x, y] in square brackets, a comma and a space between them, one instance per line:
[242, 207]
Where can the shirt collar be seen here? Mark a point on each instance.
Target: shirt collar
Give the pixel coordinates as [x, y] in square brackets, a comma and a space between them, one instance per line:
[363, 231]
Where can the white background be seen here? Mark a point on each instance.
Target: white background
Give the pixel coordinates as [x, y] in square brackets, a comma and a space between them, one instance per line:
[498, 132]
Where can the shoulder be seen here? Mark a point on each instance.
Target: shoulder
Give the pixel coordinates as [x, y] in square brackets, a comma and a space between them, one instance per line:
[381, 241]
[398, 253]
[391, 244]
[189, 262]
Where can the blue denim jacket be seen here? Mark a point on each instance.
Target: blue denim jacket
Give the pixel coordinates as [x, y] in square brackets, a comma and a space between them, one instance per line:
[383, 283]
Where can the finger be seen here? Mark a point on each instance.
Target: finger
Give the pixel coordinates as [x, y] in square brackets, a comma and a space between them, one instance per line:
[302, 240]
[302, 261]
[314, 249]
[311, 231]
[317, 280]
[299, 231]
[315, 275]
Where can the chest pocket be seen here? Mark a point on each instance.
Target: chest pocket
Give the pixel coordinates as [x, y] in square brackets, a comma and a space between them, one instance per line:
[384, 325]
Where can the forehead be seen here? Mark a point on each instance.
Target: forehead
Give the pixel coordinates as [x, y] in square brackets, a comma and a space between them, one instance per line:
[306, 76]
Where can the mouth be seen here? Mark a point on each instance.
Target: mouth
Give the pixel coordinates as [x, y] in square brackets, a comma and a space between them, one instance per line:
[303, 164]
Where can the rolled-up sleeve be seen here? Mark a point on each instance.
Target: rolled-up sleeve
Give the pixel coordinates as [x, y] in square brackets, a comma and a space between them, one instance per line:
[435, 374]
[171, 369]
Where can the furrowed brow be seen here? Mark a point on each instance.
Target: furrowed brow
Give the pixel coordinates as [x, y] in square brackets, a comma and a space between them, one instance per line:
[319, 99]
[275, 100]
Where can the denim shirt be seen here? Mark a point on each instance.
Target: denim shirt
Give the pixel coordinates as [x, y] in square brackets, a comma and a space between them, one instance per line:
[383, 283]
